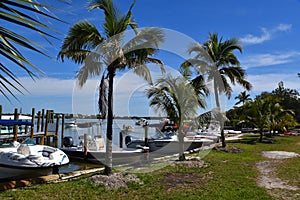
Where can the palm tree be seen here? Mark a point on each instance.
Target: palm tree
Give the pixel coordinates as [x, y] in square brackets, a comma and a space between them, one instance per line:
[266, 112]
[243, 97]
[177, 98]
[216, 59]
[105, 54]
[256, 115]
[278, 118]
[21, 15]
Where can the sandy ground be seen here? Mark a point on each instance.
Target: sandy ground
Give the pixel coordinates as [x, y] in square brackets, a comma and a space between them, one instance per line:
[275, 186]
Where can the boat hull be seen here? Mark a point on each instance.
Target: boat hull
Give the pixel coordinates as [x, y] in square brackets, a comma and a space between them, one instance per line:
[120, 157]
[9, 172]
[165, 147]
[30, 160]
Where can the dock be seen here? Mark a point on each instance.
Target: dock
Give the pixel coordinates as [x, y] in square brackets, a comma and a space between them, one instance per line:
[43, 126]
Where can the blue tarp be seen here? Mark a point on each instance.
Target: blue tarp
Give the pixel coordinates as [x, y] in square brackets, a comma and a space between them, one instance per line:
[10, 122]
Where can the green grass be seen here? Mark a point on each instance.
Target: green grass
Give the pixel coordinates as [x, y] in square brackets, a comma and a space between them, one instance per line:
[226, 176]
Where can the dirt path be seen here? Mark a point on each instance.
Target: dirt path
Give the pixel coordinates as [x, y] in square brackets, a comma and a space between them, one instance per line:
[275, 186]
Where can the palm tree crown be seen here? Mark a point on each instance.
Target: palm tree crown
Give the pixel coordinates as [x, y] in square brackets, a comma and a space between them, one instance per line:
[227, 64]
[177, 98]
[243, 97]
[104, 54]
[217, 61]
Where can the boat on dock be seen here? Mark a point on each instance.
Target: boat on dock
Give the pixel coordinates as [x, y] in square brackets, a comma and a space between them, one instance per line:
[142, 122]
[93, 150]
[71, 124]
[28, 159]
[75, 124]
[167, 143]
[7, 127]
[215, 137]
[20, 117]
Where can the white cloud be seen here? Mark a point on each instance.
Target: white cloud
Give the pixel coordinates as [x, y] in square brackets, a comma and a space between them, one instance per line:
[283, 27]
[258, 60]
[266, 34]
[265, 82]
[268, 82]
[48, 86]
[251, 39]
[129, 96]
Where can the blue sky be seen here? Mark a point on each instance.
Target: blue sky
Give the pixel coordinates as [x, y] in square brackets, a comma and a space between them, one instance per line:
[269, 32]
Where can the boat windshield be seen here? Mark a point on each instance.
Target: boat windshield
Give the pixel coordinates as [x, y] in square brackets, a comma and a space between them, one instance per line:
[29, 142]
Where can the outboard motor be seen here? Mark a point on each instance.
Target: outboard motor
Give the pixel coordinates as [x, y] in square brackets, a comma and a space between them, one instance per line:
[68, 141]
[127, 139]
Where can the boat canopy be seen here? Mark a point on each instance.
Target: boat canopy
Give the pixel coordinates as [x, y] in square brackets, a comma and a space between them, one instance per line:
[20, 117]
[10, 122]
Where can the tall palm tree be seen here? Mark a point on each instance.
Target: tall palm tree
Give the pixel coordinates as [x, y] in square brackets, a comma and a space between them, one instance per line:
[105, 54]
[27, 15]
[177, 98]
[216, 59]
[243, 97]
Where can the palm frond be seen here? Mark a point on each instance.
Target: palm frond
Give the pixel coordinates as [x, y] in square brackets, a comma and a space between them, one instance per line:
[115, 22]
[176, 97]
[22, 14]
[143, 71]
[82, 38]
[92, 66]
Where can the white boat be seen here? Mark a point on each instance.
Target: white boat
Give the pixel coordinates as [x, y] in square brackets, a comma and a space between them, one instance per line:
[6, 130]
[128, 128]
[71, 124]
[167, 144]
[20, 117]
[28, 159]
[142, 122]
[203, 135]
[96, 151]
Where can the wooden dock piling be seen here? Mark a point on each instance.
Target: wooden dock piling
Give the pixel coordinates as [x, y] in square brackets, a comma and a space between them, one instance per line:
[32, 121]
[85, 144]
[121, 139]
[38, 122]
[56, 131]
[62, 129]
[15, 128]
[44, 121]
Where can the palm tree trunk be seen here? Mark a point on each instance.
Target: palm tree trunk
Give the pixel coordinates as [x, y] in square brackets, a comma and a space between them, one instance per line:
[181, 145]
[109, 129]
[221, 116]
[261, 133]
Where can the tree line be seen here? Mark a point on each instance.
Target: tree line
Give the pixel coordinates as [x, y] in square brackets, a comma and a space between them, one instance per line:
[272, 112]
